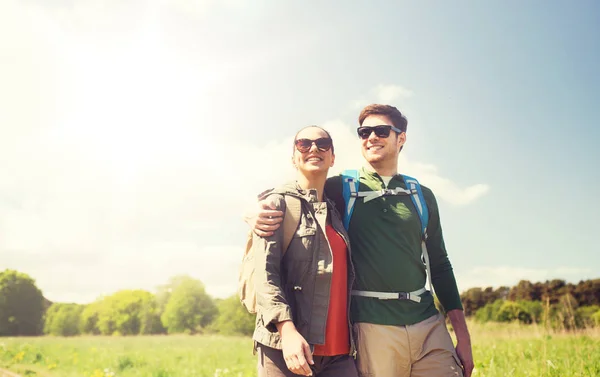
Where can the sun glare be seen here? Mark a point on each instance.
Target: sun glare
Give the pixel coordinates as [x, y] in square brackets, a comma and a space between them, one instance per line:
[131, 108]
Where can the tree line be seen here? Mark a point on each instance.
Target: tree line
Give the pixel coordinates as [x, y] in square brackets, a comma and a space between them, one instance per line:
[180, 306]
[554, 303]
[183, 306]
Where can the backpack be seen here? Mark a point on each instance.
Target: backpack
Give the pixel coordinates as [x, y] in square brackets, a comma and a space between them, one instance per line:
[291, 220]
[350, 192]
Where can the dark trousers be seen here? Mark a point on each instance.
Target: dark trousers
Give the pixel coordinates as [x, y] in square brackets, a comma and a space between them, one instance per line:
[272, 364]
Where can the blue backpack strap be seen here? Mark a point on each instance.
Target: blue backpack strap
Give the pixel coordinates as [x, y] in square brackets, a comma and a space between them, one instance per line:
[350, 183]
[419, 202]
[421, 206]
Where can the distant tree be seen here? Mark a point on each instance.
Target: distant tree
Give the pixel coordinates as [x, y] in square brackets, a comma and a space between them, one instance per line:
[534, 309]
[150, 319]
[565, 310]
[522, 291]
[121, 313]
[88, 322]
[164, 292]
[63, 319]
[476, 298]
[588, 292]
[499, 294]
[489, 312]
[233, 318]
[554, 290]
[472, 300]
[21, 305]
[509, 312]
[189, 307]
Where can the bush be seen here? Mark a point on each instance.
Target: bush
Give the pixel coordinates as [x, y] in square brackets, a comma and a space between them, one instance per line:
[534, 309]
[513, 311]
[562, 315]
[233, 318]
[584, 316]
[63, 319]
[489, 312]
[509, 311]
[596, 318]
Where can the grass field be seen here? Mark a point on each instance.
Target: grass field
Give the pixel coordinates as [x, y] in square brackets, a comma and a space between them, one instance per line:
[499, 350]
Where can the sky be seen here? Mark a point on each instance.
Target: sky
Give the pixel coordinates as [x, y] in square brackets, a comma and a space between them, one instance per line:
[134, 134]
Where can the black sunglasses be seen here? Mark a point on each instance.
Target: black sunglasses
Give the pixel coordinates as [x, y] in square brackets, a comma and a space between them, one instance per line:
[323, 144]
[380, 131]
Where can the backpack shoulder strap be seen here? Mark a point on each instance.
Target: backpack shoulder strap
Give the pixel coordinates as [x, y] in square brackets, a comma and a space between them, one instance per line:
[350, 184]
[419, 201]
[291, 219]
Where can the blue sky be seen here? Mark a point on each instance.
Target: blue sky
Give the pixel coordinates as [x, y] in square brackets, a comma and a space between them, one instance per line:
[134, 133]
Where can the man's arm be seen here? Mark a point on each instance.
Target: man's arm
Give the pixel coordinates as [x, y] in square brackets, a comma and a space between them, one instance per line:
[463, 340]
[442, 278]
[265, 219]
[444, 283]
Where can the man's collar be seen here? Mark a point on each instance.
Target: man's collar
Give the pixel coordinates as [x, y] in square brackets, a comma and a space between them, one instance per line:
[372, 173]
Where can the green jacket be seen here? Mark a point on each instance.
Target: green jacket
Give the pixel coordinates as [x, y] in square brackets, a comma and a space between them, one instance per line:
[297, 287]
[385, 234]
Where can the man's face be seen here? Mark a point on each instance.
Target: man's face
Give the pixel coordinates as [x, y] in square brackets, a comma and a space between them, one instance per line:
[378, 149]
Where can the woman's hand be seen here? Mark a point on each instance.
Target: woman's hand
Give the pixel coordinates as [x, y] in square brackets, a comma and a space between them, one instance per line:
[296, 350]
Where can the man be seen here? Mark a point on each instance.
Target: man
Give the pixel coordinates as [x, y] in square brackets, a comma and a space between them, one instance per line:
[405, 335]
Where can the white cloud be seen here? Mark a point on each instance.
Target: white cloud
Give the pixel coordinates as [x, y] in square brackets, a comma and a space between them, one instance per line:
[496, 276]
[444, 188]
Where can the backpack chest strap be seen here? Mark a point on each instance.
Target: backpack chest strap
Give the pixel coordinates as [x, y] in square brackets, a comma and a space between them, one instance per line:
[370, 195]
[412, 296]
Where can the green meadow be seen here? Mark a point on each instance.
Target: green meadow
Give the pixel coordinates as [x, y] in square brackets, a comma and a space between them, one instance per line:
[499, 350]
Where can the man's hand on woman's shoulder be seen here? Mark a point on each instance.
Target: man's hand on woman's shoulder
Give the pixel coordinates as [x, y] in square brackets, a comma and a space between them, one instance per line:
[266, 218]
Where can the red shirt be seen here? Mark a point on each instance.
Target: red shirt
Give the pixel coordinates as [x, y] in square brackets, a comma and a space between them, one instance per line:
[337, 336]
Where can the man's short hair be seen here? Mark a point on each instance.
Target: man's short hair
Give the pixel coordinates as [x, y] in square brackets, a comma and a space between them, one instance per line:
[398, 120]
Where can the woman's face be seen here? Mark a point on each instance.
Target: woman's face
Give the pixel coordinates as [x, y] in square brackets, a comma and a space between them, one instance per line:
[308, 158]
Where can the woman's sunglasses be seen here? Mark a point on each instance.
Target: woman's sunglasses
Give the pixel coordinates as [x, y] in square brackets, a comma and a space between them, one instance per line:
[380, 131]
[323, 144]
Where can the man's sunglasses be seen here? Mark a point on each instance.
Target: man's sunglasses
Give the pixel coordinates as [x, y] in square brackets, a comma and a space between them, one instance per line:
[323, 144]
[380, 131]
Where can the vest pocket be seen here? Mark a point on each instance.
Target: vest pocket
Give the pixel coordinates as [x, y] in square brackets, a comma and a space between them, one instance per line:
[301, 247]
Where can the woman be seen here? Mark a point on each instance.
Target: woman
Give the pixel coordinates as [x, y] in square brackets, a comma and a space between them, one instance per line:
[303, 295]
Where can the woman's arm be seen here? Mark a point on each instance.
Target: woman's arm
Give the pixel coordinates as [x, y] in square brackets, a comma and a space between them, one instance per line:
[270, 297]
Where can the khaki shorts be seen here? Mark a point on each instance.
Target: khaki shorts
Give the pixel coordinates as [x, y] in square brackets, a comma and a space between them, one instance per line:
[424, 349]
